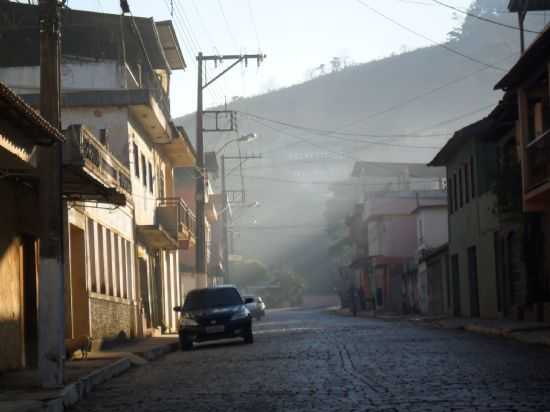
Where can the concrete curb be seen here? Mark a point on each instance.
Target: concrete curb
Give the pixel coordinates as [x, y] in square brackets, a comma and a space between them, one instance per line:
[159, 351]
[79, 390]
[523, 334]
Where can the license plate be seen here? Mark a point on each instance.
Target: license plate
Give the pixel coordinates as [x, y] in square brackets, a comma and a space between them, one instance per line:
[215, 329]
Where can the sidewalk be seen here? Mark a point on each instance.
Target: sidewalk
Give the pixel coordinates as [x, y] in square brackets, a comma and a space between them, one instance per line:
[20, 391]
[528, 332]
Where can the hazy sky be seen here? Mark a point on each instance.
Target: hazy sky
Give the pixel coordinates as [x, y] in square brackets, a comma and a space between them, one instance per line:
[296, 35]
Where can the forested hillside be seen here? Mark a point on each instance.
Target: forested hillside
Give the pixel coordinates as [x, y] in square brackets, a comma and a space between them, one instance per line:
[401, 108]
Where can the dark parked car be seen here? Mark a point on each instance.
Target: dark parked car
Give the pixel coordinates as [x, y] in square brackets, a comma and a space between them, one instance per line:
[214, 313]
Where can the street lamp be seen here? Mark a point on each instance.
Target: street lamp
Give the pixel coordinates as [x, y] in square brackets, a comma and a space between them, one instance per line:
[245, 206]
[243, 139]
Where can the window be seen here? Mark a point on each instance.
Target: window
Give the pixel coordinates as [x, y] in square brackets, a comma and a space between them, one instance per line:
[211, 298]
[448, 281]
[466, 184]
[460, 188]
[151, 180]
[101, 260]
[117, 273]
[124, 269]
[455, 273]
[92, 255]
[455, 193]
[450, 194]
[130, 272]
[143, 170]
[103, 136]
[109, 263]
[472, 175]
[136, 160]
[473, 280]
[161, 183]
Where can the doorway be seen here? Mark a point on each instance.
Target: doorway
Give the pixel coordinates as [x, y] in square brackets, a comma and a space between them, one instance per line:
[29, 253]
[79, 299]
[474, 287]
[456, 285]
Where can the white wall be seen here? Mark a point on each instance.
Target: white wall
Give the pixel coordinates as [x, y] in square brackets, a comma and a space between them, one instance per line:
[432, 227]
[75, 76]
[113, 119]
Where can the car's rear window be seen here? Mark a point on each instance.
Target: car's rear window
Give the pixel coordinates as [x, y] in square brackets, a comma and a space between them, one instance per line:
[211, 298]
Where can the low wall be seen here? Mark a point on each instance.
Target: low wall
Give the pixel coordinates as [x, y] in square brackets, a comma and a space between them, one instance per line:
[110, 317]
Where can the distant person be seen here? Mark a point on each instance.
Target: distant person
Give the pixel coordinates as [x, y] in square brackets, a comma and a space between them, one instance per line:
[353, 299]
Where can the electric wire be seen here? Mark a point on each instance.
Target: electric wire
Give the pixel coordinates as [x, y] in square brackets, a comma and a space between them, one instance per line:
[418, 34]
[228, 26]
[389, 109]
[373, 142]
[354, 149]
[484, 19]
[189, 44]
[251, 12]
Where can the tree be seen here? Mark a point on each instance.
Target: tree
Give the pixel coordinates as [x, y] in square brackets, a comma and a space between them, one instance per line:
[248, 273]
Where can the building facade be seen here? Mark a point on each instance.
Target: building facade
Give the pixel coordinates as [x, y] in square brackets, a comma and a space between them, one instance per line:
[473, 221]
[23, 133]
[527, 82]
[118, 87]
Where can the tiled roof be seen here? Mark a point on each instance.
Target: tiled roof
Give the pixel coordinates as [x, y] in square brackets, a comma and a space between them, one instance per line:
[528, 5]
[534, 57]
[14, 109]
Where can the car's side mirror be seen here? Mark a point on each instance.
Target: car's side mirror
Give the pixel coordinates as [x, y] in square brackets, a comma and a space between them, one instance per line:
[177, 308]
[248, 300]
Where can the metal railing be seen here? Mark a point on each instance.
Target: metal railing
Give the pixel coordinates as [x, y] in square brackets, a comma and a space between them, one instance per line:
[185, 218]
[143, 78]
[538, 166]
[104, 162]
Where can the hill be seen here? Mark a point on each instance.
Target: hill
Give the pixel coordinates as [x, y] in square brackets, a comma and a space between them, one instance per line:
[380, 110]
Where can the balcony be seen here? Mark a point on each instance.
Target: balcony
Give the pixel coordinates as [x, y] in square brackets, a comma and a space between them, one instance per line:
[537, 172]
[178, 220]
[91, 172]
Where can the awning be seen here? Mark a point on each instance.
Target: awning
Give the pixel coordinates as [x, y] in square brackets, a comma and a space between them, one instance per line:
[156, 237]
[78, 185]
[178, 152]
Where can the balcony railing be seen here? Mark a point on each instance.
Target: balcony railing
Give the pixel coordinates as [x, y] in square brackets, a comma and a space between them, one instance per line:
[83, 148]
[177, 218]
[538, 166]
[146, 79]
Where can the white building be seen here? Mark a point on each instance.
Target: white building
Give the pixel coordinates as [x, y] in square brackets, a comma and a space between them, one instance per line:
[115, 81]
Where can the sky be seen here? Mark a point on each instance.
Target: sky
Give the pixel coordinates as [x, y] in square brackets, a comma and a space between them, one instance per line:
[296, 35]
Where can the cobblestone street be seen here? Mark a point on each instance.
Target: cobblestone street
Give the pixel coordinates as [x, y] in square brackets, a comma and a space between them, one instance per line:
[314, 360]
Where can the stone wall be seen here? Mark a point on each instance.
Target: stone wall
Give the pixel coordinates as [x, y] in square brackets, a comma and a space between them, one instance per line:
[111, 316]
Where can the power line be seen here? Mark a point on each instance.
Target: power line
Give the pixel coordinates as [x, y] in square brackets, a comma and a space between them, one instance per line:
[228, 26]
[416, 33]
[325, 183]
[205, 29]
[254, 24]
[484, 19]
[191, 44]
[324, 132]
[345, 154]
[389, 109]
[376, 143]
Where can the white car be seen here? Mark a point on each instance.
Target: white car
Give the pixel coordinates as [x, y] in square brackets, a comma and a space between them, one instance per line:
[256, 307]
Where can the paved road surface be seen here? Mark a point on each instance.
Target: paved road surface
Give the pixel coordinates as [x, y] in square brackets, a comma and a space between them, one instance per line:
[312, 360]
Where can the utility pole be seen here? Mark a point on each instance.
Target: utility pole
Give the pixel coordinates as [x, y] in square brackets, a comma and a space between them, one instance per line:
[51, 332]
[225, 234]
[201, 263]
[225, 241]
